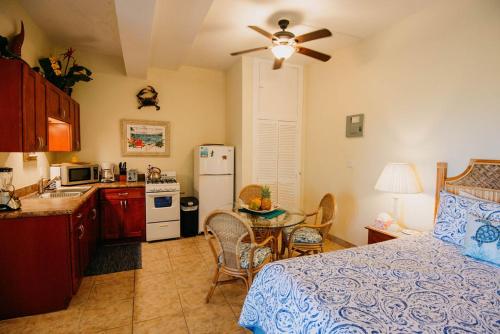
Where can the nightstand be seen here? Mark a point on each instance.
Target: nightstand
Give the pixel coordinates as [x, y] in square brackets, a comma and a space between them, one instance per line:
[377, 235]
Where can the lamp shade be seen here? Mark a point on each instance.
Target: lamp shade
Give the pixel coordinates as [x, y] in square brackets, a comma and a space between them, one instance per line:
[398, 178]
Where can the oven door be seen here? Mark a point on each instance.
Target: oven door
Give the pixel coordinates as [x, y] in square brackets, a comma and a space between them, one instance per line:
[162, 206]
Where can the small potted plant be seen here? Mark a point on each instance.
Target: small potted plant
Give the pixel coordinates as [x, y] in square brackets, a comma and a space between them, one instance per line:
[65, 72]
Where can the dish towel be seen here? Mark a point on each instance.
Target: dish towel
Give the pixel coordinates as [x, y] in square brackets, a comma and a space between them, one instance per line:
[267, 215]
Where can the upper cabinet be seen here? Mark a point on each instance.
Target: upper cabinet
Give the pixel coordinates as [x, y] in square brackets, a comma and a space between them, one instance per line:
[23, 126]
[58, 104]
[27, 101]
[75, 121]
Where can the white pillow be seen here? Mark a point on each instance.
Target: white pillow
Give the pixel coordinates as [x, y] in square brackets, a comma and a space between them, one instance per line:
[453, 215]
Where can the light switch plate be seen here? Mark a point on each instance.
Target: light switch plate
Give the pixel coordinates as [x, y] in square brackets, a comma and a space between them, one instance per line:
[355, 125]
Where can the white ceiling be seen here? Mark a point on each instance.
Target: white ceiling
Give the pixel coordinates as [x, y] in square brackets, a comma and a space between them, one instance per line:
[204, 32]
[84, 24]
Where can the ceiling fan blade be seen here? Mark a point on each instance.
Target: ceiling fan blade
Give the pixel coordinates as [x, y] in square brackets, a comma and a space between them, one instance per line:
[322, 33]
[277, 63]
[314, 54]
[262, 32]
[249, 50]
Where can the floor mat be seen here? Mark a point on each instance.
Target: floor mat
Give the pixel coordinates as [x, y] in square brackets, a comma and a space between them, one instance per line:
[115, 258]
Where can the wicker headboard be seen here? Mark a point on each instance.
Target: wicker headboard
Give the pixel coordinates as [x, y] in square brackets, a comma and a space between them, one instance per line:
[481, 179]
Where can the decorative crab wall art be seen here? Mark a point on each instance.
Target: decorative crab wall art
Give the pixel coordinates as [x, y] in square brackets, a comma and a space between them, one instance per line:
[148, 97]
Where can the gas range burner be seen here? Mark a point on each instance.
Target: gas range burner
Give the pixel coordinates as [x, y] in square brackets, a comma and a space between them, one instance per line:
[162, 180]
[166, 183]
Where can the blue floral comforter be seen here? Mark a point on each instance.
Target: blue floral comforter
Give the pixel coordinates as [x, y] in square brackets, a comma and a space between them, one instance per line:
[411, 285]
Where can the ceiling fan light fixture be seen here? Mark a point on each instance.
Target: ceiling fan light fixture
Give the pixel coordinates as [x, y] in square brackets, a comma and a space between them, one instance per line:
[282, 51]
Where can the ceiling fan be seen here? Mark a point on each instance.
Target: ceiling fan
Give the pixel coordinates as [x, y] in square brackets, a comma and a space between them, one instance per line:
[286, 43]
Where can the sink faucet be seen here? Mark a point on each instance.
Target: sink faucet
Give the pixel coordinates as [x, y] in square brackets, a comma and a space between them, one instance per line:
[42, 187]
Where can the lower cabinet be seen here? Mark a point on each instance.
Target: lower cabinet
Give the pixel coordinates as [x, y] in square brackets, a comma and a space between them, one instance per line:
[84, 235]
[35, 262]
[43, 259]
[123, 213]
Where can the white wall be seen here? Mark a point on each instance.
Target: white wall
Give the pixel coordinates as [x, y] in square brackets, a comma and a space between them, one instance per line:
[233, 117]
[239, 118]
[191, 99]
[429, 87]
[36, 45]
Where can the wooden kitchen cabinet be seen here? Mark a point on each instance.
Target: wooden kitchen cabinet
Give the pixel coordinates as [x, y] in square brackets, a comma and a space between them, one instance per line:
[75, 125]
[27, 101]
[41, 115]
[84, 236]
[93, 224]
[76, 234]
[22, 107]
[53, 102]
[58, 104]
[35, 257]
[134, 218]
[123, 213]
[111, 218]
[45, 258]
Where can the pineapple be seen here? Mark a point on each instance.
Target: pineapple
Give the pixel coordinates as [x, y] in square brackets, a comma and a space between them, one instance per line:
[255, 204]
[266, 198]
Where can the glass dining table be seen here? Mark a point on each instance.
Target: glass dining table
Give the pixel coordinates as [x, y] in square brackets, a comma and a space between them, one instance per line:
[263, 226]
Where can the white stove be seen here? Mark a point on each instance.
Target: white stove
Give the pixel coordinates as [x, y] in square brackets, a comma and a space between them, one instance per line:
[163, 208]
[167, 182]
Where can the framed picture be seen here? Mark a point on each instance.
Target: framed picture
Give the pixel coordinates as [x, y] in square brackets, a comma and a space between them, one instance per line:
[145, 138]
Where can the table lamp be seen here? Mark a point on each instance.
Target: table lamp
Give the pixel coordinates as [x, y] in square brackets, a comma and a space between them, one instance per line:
[397, 178]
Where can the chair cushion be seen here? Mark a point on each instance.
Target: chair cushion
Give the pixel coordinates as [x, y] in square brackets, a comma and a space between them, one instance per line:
[259, 255]
[305, 235]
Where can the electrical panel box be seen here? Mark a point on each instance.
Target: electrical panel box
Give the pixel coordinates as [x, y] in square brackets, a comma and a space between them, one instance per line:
[354, 125]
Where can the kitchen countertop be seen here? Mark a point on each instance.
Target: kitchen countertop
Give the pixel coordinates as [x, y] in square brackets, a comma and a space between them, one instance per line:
[36, 207]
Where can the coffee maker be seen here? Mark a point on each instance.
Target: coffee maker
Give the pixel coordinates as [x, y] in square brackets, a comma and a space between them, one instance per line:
[107, 172]
[8, 201]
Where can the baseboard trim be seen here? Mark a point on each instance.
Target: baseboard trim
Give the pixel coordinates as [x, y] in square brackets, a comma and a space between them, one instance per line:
[340, 242]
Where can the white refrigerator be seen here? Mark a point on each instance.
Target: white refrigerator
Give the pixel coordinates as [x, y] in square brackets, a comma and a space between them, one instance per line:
[213, 179]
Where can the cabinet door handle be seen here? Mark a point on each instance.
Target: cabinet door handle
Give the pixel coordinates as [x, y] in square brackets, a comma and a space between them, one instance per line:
[63, 113]
[122, 194]
[40, 142]
[82, 230]
[121, 204]
[79, 216]
[94, 214]
[125, 202]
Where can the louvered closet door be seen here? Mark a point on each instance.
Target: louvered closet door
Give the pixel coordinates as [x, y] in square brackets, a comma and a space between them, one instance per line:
[266, 155]
[288, 196]
[277, 131]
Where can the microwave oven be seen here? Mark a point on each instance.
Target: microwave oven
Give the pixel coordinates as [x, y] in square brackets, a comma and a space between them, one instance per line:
[73, 174]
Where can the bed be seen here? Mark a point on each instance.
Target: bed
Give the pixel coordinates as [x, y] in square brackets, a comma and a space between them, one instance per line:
[418, 284]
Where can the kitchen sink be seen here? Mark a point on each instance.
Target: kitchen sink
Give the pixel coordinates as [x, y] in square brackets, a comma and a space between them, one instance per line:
[60, 194]
[64, 192]
[79, 189]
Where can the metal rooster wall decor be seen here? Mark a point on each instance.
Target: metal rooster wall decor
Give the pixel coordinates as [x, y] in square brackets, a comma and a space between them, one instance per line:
[148, 97]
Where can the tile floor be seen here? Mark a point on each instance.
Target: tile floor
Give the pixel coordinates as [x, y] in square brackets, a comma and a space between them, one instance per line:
[166, 296]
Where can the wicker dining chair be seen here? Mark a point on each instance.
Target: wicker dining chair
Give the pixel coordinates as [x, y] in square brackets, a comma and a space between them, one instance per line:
[310, 238]
[225, 230]
[250, 192]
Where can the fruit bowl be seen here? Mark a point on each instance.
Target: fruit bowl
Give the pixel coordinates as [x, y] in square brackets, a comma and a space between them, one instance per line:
[275, 206]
